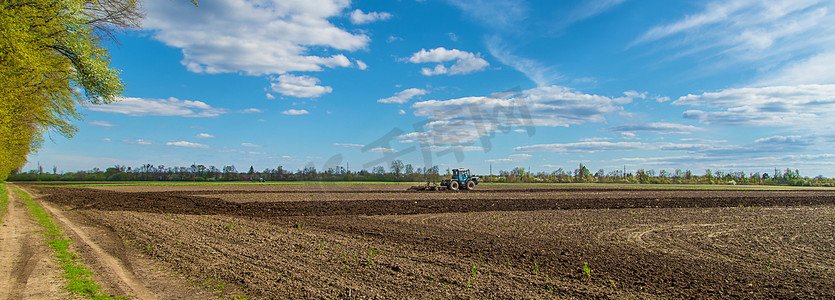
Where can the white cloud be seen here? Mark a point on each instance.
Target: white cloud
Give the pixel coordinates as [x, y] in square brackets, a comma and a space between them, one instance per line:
[294, 112]
[348, 145]
[252, 36]
[595, 139]
[818, 69]
[758, 33]
[705, 148]
[361, 65]
[251, 111]
[657, 127]
[382, 150]
[801, 106]
[510, 158]
[704, 141]
[499, 14]
[270, 96]
[106, 140]
[793, 140]
[186, 144]
[359, 17]
[138, 142]
[401, 112]
[635, 94]
[404, 96]
[582, 147]
[465, 120]
[251, 145]
[102, 123]
[537, 72]
[159, 107]
[205, 136]
[589, 9]
[465, 62]
[299, 86]
[436, 148]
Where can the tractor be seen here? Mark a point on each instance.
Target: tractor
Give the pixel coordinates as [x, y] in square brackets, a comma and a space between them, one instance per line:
[460, 179]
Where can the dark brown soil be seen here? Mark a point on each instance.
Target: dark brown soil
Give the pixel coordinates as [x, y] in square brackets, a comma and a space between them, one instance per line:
[496, 242]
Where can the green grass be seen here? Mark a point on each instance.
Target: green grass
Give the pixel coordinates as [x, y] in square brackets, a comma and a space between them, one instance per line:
[4, 200]
[586, 269]
[191, 183]
[78, 277]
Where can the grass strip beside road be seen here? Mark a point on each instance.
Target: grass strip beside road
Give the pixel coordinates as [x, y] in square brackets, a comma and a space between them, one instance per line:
[79, 280]
[4, 200]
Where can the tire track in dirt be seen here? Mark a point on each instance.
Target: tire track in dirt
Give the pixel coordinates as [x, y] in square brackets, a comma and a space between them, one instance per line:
[116, 266]
[16, 249]
[21, 253]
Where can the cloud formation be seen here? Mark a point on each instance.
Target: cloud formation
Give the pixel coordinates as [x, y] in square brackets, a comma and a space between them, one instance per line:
[582, 147]
[299, 86]
[186, 144]
[159, 107]
[510, 158]
[294, 112]
[253, 37]
[657, 127]
[358, 17]
[404, 96]
[465, 62]
[102, 123]
[716, 149]
[348, 145]
[801, 106]
[755, 32]
[537, 72]
[465, 120]
[499, 14]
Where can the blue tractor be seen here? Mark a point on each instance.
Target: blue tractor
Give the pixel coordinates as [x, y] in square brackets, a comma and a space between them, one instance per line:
[461, 179]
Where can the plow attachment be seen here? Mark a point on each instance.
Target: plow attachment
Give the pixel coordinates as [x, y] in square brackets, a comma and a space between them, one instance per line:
[427, 187]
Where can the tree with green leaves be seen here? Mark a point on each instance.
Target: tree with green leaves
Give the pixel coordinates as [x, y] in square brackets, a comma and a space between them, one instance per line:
[52, 62]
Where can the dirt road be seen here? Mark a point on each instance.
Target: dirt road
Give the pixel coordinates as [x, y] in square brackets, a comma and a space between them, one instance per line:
[26, 270]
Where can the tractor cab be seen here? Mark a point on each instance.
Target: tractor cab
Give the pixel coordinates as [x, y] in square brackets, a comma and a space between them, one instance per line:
[461, 175]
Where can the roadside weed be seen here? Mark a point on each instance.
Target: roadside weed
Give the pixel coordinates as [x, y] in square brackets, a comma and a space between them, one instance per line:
[4, 199]
[586, 269]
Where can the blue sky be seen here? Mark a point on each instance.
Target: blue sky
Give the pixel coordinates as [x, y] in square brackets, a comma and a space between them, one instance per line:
[733, 85]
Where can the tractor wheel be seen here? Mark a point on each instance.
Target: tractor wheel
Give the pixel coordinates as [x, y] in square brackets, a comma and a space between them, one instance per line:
[470, 185]
[453, 185]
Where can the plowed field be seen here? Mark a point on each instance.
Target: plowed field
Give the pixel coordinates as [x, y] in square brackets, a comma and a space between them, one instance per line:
[513, 241]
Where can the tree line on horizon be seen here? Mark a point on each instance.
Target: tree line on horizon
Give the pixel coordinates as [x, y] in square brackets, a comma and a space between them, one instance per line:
[400, 172]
